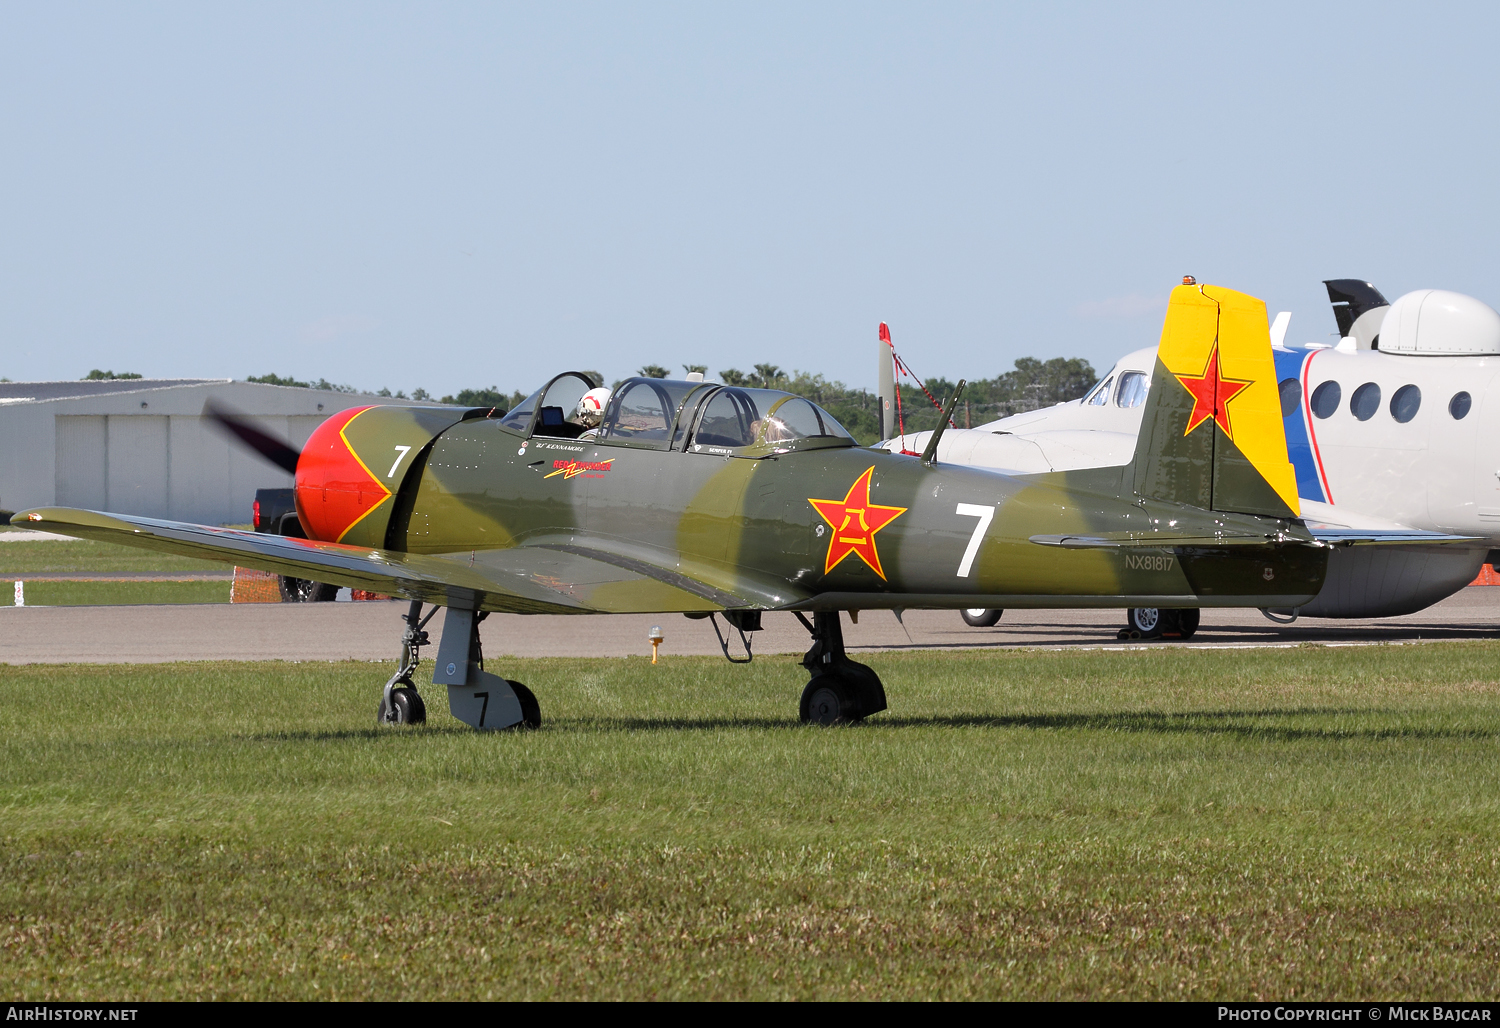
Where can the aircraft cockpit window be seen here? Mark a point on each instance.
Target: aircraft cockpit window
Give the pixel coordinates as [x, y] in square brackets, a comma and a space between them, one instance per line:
[793, 419]
[735, 418]
[559, 407]
[728, 421]
[639, 414]
[1405, 403]
[1458, 407]
[1291, 396]
[1100, 396]
[519, 418]
[551, 410]
[1131, 392]
[1365, 401]
[1325, 399]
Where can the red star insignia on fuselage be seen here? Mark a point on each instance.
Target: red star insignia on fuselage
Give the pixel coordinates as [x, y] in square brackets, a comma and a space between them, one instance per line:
[1211, 393]
[854, 521]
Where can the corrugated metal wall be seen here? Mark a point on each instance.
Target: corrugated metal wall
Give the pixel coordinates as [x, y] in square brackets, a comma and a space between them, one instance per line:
[178, 467]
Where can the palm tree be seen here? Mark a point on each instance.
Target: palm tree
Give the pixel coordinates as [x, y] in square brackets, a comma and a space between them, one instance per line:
[767, 375]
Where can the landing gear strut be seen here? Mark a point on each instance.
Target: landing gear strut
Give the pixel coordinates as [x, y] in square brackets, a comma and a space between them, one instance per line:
[401, 704]
[841, 690]
[475, 696]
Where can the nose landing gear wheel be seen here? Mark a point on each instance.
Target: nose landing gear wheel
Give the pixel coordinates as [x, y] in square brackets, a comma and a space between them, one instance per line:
[407, 708]
[979, 617]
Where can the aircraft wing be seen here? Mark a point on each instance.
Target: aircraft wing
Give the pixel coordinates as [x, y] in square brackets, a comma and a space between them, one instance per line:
[548, 578]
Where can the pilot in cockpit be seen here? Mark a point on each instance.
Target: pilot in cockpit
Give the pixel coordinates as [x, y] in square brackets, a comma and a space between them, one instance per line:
[590, 411]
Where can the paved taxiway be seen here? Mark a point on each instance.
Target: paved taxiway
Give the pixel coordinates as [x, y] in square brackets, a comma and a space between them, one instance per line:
[371, 631]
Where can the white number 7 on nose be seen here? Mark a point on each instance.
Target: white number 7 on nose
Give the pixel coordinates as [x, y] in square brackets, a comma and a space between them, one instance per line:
[985, 513]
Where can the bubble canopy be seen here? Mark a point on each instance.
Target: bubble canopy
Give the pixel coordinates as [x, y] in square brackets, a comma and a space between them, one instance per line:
[696, 417]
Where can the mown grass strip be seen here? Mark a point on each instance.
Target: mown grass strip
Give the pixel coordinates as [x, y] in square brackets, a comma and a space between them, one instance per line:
[76, 594]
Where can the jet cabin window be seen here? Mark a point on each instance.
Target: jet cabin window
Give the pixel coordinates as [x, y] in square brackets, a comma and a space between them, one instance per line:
[1325, 400]
[1406, 403]
[1290, 391]
[1365, 401]
[1100, 396]
[1131, 392]
[1458, 407]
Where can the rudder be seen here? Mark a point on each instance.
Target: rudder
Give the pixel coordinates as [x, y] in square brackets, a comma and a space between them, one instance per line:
[1212, 435]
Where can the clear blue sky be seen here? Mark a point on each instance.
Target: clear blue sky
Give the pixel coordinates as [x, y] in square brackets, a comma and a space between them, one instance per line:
[446, 195]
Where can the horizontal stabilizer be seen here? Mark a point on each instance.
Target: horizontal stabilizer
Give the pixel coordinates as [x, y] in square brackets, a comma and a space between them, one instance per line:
[1114, 541]
[1367, 537]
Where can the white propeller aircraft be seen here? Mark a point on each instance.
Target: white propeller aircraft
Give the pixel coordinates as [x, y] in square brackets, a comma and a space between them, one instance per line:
[1394, 429]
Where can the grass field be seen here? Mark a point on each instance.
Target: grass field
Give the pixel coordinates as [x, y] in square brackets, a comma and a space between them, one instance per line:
[1309, 823]
[19, 559]
[76, 594]
[84, 556]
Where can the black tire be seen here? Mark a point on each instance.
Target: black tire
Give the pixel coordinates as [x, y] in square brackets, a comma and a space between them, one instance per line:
[407, 708]
[1187, 621]
[977, 617]
[531, 710]
[1145, 620]
[302, 590]
[828, 701]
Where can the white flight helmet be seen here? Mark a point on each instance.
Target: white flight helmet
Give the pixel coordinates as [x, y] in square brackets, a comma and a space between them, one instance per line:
[590, 410]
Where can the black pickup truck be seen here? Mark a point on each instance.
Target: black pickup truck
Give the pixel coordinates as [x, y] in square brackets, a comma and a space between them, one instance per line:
[276, 513]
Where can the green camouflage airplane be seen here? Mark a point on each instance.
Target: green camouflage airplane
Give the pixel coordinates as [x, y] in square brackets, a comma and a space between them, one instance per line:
[705, 499]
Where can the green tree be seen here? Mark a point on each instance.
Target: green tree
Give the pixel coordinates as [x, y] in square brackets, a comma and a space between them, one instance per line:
[108, 376]
[733, 377]
[491, 397]
[277, 380]
[701, 369]
[653, 371]
[767, 376]
[1046, 383]
[420, 394]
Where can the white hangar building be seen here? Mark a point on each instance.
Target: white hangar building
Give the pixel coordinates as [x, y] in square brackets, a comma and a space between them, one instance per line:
[142, 446]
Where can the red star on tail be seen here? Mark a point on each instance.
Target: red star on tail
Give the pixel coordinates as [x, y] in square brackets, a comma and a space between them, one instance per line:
[854, 521]
[1211, 393]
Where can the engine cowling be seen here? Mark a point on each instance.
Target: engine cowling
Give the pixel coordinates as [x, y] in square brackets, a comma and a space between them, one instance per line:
[356, 465]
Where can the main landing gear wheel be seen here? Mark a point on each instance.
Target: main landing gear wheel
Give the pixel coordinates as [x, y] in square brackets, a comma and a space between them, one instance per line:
[1154, 622]
[979, 617]
[302, 590]
[1143, 623]
[1186, 621]
[531, 710]
[841, 691]
[407, 707]
[828, 701]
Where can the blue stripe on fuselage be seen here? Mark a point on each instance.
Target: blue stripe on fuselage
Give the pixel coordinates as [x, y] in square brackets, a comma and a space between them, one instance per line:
[1298, 444]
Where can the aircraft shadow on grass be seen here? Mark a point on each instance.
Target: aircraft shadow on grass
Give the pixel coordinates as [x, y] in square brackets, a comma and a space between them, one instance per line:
[1229, 723]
